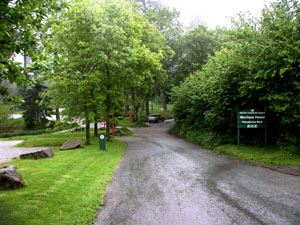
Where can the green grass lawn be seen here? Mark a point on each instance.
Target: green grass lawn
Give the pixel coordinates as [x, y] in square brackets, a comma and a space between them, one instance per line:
[255, 154]
[49, 139]
[54, 139]
[66, 189]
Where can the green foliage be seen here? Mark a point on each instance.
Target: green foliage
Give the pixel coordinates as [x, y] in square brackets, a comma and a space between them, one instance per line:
[278, 157]
[167, 22]
[4, 113]
[8, 125]
[167, 115]
[258, 69]
[35, 115]
[125, 122]
[66, 189]
[12, 126]
[22, 133]
[20, 20]
[97, 50]
[59, 126]
[194, 49]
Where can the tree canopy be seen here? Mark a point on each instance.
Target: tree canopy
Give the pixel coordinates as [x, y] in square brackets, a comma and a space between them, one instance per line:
[98, 50]
[258, 69]
[20, 22]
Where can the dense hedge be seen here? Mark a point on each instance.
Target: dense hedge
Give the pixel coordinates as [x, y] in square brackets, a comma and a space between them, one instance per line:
[23, 133]
[259, 69]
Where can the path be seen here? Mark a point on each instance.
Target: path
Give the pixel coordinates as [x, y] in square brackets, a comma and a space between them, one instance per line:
[166, 180]
[8, 152]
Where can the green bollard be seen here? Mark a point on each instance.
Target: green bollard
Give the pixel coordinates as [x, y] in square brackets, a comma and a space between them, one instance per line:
[102, 143]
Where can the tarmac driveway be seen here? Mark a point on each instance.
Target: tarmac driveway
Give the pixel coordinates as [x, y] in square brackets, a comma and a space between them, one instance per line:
[166, 180]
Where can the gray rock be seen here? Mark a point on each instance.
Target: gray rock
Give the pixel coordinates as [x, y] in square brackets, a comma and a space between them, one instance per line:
[118, 133]
[71, 144]
[10, 178]
[46, 153]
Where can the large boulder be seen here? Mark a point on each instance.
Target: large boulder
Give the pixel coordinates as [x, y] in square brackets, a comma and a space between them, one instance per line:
[10, 178]
[71, 144]
[46, 153]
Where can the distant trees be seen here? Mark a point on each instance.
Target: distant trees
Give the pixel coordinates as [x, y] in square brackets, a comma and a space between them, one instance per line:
[166, 21]
[259, 68]
[194, 50]
[35, 114]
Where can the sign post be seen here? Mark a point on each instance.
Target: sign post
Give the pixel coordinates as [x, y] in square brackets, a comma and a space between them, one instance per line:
[251, 119]
[102, 143]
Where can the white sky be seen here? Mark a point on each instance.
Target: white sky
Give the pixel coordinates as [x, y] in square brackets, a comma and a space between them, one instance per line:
[214, 12]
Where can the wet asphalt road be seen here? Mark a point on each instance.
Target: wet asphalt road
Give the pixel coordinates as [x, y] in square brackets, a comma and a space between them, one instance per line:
[166, 180]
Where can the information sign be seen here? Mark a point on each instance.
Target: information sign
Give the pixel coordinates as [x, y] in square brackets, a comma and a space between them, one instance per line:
[251, 118]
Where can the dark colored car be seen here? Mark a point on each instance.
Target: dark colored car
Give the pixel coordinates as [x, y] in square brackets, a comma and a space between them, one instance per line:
[155, 118]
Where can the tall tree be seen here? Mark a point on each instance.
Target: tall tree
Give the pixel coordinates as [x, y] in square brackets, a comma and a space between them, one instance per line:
[196, 46]
[96, 46]
[260, 69]
[35, 114]
[166, 20]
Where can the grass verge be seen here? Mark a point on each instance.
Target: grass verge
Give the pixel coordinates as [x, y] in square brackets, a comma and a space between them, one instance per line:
[273, 155]
[66, 189]
[125, 122]
[278, 157]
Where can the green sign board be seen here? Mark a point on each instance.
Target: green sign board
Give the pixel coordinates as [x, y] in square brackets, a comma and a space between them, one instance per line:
[251, 118]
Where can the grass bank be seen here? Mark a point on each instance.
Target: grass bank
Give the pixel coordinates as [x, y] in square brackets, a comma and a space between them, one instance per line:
[66, 189]
[273, 155]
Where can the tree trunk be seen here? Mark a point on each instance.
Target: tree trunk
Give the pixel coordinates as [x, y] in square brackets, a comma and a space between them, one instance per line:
[87, 133]
[143, 104]
[57, 113]
[135, 118]
[108, 129]
[126, 105]
[139, 116]
[152, 105]
[147, 106]
[96, 129]
[164, 98]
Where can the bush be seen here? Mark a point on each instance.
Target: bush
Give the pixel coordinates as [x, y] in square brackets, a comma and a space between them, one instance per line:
[4, 113]
[248, 75]
[23, 133]
[61, 126]
[12, 125]
[167, 115]
[203, 137]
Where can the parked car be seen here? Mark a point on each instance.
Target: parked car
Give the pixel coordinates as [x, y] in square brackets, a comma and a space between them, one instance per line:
[155, 118]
